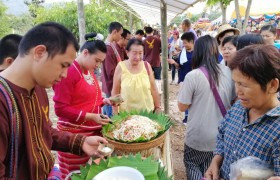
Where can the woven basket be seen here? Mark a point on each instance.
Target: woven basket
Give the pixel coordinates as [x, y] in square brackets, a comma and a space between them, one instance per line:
[137, 147]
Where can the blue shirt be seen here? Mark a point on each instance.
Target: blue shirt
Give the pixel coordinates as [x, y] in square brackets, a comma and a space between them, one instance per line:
[277, 45]
[185, 68]
[238, 139]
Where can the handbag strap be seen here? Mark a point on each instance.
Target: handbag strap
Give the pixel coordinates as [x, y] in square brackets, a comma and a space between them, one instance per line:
[215, 91]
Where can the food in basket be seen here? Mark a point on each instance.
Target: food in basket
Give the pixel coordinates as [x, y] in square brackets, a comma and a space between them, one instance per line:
[135, 127]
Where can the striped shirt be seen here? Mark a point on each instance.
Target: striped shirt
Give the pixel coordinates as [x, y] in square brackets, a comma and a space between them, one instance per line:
[238, 139]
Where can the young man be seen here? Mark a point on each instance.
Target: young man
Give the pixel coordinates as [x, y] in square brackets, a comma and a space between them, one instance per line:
[152, 49]
[186, 27]
[139, 34]
[110, 63]
[26, 133]
[184, 64]
[8, 50]
[121, 44]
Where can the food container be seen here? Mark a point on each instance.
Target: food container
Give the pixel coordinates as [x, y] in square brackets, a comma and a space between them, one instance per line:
[106, 150]
[120, 173]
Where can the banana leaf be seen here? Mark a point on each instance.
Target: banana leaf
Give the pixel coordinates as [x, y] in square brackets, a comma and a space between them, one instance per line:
[150, 168]
[163, 120]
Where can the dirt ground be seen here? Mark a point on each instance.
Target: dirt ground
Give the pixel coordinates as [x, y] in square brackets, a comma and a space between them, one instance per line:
[177, 132]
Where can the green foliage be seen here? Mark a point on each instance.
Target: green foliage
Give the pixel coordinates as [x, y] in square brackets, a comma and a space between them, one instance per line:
[150, 168]
[4, 19]
[33, 6]
[97, 17]
[214, 2]
[21, 24]
[161, 119]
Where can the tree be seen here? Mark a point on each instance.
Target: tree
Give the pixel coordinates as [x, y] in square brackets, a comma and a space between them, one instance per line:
[81, 21]
[242, 26]
[4, 19]
[97, 17]
[33, 6]
[223, 4]
[20, 24]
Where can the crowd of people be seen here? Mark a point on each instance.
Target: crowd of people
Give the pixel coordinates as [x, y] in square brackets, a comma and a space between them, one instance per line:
[229, 88]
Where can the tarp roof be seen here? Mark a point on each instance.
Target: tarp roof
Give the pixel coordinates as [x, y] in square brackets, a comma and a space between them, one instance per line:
[149, 10]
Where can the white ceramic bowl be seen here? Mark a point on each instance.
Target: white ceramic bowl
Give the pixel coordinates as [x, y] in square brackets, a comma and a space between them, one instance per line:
[120, 173]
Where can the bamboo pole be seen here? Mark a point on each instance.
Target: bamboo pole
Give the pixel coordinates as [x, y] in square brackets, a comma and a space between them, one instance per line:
[164, 55]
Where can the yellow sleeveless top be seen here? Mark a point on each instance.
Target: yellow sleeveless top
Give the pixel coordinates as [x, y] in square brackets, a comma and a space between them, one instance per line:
[135, 90]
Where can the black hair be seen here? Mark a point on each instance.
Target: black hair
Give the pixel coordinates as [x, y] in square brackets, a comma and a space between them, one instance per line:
[198, 31]
[187, 22]
[93, 45]
[188, 36]
[114, 26]
[249, 39]
[54, 36]
[140, 32]
[270, 28]
[208, 57]
[148, 30]
[230, 39]
[9, 46]
[260, 62]
[125, 33]
[133, 41]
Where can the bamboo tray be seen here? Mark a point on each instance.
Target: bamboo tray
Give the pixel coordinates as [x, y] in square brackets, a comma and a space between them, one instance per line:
[137, 147]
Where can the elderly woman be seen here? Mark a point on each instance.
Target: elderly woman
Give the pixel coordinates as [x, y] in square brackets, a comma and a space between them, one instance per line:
[251, 127]
[134, 80]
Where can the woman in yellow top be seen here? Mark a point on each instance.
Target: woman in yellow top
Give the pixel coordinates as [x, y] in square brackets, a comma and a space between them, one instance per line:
[134, 80]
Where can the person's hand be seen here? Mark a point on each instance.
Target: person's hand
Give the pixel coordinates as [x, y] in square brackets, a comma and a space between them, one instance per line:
[171, 61]
[116, 100]
[274, 178]
[107, 101]
[90, 145]
[98, 118]
[212, 172]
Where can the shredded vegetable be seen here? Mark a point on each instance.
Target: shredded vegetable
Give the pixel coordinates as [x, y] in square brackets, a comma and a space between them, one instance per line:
[135, 127]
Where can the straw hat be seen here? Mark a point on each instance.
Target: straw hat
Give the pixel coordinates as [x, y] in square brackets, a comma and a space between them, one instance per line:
[224, 28]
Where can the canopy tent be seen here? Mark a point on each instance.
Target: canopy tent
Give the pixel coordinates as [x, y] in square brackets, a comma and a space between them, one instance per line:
[149, 10]
[258, 8]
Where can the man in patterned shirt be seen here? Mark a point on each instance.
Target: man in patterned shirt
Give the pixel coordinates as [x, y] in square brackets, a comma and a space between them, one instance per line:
[252, 126]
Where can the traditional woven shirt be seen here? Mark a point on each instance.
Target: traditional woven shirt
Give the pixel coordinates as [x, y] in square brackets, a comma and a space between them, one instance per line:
[238, 139]
[36, 136]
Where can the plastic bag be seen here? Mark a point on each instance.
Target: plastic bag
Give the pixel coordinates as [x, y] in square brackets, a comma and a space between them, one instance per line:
[250, 168]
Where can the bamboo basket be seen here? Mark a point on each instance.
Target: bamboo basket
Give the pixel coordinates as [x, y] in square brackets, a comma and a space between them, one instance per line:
[153, 147]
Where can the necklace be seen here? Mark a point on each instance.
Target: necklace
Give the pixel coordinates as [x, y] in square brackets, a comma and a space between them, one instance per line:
[88, 78]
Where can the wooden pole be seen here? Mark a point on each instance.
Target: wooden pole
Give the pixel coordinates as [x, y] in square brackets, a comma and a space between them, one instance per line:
[81, 21]
[164, 55]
